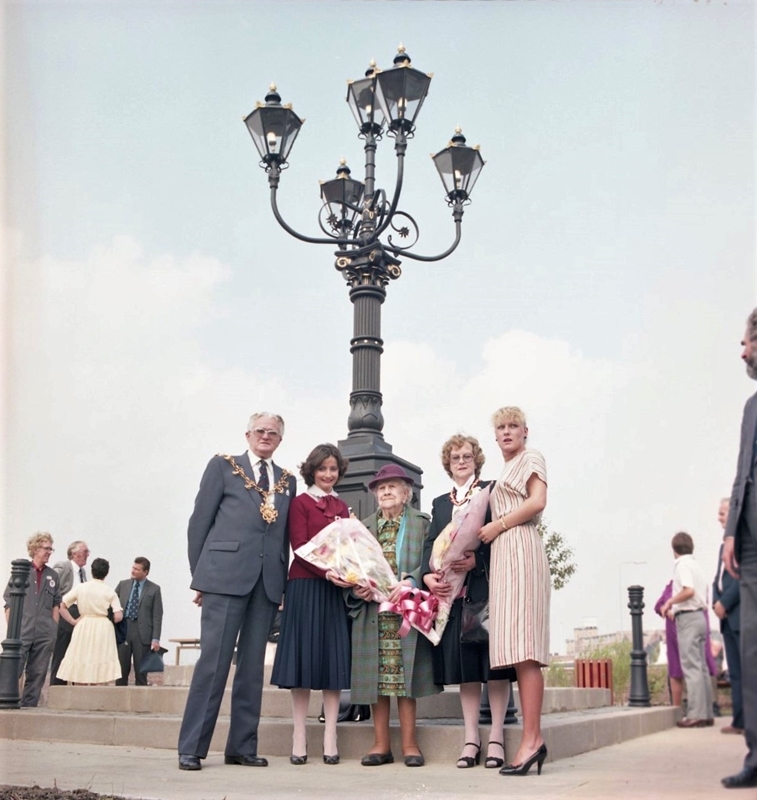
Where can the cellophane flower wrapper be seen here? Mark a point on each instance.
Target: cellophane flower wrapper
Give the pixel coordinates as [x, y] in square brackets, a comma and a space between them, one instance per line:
[456, 539]
[348, 548]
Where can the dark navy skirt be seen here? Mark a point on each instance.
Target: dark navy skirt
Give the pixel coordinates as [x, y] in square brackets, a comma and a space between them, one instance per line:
[455, 662]
[314, 645]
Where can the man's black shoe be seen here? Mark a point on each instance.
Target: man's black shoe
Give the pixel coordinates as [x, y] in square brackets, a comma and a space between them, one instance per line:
[189, 762]
[745, 779]
[246, 761]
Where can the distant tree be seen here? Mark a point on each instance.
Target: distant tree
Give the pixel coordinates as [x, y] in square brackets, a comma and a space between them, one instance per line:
[559, 555]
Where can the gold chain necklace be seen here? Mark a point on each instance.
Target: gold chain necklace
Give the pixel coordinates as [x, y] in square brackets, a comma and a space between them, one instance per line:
[268, 512]
[468, 494]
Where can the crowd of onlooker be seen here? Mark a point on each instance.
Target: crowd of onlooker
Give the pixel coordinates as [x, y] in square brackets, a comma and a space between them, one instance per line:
[78, 627]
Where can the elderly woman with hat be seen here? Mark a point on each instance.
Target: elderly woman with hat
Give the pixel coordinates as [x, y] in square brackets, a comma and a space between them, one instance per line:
[383, 664]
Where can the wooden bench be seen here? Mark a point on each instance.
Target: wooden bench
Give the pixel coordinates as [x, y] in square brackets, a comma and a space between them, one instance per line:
[185, 644]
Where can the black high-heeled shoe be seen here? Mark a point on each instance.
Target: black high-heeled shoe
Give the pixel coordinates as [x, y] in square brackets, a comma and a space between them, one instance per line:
[466, 762]
[298, 761]
[492, 762]
[522, 769]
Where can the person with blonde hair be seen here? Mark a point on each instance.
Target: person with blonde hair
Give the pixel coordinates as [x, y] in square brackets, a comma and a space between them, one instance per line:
[520, 579]
[39, 623]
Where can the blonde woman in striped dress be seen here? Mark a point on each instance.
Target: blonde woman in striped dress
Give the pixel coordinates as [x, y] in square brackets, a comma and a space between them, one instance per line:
[520, 581]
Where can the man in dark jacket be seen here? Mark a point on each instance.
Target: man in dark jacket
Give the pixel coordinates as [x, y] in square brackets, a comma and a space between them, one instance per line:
[727, 607]
[238, 544]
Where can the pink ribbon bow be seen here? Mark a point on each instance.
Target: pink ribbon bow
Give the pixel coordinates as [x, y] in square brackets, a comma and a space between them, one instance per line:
[416, 607]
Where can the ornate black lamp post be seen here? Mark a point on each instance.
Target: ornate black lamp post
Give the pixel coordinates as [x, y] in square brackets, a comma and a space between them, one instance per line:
[363, 222]
[10, 659]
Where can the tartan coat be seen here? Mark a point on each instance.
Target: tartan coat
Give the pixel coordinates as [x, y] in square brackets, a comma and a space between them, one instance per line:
[417, 650]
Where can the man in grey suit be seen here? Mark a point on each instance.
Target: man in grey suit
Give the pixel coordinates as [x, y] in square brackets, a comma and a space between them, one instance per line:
[142, 602]
[72, 572]
[740, 559]
[238, 556]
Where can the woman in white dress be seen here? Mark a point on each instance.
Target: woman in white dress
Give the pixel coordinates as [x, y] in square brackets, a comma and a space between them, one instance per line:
[92, 656]
[520, 579]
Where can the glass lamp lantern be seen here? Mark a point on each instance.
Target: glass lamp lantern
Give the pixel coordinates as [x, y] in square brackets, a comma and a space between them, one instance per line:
[361, 97]
[273, 128]
[459, 167]
[342, 196]
[401, 92]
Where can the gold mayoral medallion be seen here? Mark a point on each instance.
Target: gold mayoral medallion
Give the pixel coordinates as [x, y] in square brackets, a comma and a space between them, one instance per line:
[267, 509]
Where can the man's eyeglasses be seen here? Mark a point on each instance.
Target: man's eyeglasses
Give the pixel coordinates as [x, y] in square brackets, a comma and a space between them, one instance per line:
[467, 458]
[48, 549]
[270, 432]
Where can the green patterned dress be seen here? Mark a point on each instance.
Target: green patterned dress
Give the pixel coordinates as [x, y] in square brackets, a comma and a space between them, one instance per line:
[391, 673]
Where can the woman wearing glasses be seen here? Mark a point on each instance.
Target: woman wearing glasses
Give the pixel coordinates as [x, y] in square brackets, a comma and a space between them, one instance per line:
[466, 664]
[520, 580]
[314, 645]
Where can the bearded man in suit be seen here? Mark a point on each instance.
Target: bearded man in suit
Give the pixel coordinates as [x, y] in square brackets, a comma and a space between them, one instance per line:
[72, 572]
[238, 556]
[142, 602]
[740, 559]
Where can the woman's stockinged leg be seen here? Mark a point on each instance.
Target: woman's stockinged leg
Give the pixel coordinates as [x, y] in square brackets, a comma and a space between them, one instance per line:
[499, 697]
[300, 702]
[470, 702]
[330, 714]
[531, 692]
[380, 714]
[406, 712]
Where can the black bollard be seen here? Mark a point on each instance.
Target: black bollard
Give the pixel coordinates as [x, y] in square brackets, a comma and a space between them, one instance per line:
[10, 658]
[485, 711]
[639, 693]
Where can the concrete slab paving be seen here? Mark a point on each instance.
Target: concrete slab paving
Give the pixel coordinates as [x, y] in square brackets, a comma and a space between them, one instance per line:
[670, 764]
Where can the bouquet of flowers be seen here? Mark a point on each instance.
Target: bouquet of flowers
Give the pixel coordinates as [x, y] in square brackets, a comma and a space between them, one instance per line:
[458, 537]
[348, 548]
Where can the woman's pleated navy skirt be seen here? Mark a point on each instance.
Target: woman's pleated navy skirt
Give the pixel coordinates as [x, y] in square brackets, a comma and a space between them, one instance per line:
[314, 645]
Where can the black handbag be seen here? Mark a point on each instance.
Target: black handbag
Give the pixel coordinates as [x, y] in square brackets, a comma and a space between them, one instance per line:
[349, 712]
[474, 620]
[474, 623]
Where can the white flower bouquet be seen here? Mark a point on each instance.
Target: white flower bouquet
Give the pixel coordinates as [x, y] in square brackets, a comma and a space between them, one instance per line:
[459, 537]
[348, 548]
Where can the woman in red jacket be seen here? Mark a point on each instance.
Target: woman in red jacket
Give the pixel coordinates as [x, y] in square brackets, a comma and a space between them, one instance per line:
[314, 646]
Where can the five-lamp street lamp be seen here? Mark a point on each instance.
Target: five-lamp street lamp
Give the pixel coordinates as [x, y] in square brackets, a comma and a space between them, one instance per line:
[370, 233]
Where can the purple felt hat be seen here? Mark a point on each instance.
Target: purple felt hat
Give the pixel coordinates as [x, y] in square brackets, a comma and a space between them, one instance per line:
[390, 472]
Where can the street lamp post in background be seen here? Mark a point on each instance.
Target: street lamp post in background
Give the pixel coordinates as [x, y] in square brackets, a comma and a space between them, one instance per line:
[371, 234]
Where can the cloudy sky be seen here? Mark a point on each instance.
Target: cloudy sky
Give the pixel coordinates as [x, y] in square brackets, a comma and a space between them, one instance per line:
[606, 269]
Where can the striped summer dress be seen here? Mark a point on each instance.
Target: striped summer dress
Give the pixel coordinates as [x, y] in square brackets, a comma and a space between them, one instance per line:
[520, 580]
